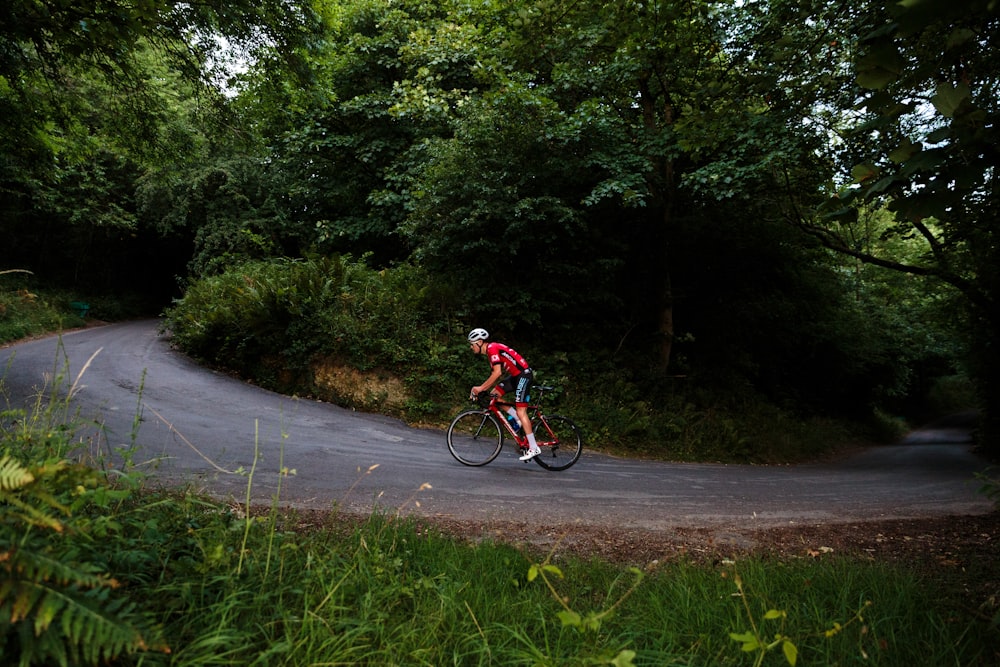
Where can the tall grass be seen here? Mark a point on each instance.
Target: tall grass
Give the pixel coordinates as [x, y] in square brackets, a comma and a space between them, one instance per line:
[181, 579]
[392, 592]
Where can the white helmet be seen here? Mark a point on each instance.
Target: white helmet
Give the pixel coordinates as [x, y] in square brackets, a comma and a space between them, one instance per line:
[478, 334]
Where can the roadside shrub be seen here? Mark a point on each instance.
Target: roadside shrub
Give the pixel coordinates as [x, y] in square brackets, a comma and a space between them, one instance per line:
[29, 308]
[274, 321]
[26, 310]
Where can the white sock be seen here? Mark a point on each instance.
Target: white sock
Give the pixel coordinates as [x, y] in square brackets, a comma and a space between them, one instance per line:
[531, 442]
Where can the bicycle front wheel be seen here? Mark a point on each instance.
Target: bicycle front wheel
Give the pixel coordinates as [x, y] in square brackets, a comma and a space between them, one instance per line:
[560, 440]
[474, 438]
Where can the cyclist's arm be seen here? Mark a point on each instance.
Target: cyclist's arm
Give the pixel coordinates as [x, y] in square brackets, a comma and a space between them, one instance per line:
[490, 381]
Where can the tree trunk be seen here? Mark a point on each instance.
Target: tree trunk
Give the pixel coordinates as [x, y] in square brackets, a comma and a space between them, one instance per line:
[666, 330]
[662, 187]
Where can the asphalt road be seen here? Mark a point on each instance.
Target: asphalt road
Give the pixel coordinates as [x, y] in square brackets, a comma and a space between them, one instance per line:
[195, 426]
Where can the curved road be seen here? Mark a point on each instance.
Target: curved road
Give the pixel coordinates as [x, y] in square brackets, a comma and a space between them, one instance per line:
[198, 426]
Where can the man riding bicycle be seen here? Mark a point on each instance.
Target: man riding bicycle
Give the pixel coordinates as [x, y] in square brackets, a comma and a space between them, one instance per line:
[519, 379]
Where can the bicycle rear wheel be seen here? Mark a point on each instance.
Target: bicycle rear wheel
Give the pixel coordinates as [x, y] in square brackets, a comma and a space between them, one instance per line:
[474, 438]
[560, 440]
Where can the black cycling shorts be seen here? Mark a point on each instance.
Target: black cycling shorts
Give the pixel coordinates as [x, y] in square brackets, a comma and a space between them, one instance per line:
[519, 384]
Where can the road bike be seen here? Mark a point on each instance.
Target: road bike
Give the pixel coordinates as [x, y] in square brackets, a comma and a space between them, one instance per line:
[475, 437]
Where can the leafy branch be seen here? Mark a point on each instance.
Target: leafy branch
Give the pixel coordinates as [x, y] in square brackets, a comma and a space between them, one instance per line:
[592, 621]
[754, 641]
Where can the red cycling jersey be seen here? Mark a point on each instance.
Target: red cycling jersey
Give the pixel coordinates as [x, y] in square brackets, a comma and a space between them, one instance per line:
[513, 362]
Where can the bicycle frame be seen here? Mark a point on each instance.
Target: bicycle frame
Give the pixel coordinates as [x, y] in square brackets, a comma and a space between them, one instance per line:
[498, 408]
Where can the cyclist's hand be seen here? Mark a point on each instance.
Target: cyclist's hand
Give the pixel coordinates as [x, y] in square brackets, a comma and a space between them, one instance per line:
[473, 394]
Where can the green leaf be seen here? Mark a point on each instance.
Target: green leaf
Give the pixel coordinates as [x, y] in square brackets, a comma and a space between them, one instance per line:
[844, 215]
[949, 98]
[875, 79]
[591, 622]
[773, 614]
[880, 67]
[927, 161]
[939, 135]
[749, 641]
[569, 618]
[958, 37]
[533, 572]
[13, 475]
[791, 652]
[882, 185]
[552, 569]
[624, 659]
[863, 172]
[904, 152]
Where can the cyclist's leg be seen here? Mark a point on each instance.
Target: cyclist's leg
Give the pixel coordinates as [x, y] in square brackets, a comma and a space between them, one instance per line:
[502, 388]
[524, 381]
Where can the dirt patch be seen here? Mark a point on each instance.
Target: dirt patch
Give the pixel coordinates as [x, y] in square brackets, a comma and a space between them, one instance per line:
[368, 391]
[942, 541]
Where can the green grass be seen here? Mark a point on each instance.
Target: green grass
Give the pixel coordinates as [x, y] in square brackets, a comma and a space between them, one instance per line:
[388, 593]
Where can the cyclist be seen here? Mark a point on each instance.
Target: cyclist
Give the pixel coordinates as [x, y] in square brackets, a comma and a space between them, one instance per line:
[519, 378]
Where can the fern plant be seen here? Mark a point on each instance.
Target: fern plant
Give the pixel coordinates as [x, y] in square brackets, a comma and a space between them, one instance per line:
[53, 609]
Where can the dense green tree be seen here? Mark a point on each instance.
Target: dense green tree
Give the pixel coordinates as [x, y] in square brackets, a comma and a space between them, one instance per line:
[68, 195]
[925, 142]
[600, 139]
[340, 140]
[92, 95]
[108, 34]
[574, 138]
[635, 157]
